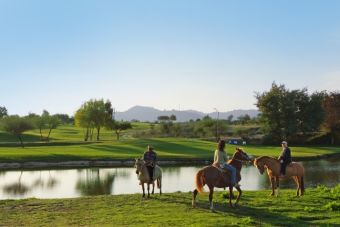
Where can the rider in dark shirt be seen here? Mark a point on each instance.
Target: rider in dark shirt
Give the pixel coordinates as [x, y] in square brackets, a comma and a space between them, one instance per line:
[150, 158]
[285, 158]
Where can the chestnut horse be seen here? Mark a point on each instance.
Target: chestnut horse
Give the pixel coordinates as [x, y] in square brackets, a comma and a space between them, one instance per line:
[144, 178]
[294, 170]
[214, 177]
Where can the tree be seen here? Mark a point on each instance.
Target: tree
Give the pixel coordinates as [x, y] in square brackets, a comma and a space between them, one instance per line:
[118, 127]
[92, 114]
[52, 122]
[82, 119]
[16, 125]
[243, 119]
[3, 112]
[286, 113]
[38, 121]
[173, 117]
[331, 106]
[163, 118]
[230, 118]
[64, 119]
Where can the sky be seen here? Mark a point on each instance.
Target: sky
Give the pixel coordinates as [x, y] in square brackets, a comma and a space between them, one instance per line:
[169, 54]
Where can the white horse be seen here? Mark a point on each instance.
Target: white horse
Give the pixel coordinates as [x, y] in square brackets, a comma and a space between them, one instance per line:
[143, 176]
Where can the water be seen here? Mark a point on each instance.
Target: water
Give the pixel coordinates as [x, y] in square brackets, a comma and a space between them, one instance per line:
[101, 181]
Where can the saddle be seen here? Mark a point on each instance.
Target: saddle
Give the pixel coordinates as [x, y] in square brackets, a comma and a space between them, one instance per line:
[226, 173]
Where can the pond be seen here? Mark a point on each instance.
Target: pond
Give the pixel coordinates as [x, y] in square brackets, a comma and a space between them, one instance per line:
[72, 183]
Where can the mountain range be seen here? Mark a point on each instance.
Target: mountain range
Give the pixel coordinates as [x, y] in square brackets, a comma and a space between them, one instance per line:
[144, 113]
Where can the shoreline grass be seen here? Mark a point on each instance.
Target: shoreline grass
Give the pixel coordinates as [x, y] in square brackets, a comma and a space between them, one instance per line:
[318, 207]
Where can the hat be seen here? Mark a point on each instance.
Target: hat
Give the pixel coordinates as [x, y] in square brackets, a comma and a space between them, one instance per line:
[284, 142]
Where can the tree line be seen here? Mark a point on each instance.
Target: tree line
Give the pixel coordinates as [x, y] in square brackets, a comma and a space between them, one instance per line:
[93, 115]
[295, 115]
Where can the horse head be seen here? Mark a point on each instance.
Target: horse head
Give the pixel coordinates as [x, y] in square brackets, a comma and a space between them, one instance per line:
[241, 155]
[139, 165]
[259, 165]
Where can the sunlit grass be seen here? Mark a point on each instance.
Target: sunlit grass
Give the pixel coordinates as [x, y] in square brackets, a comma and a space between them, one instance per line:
[256, 209]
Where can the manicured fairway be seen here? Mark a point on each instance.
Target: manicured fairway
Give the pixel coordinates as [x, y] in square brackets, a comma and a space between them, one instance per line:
[167, 148]
[318, 207]
[66, 144]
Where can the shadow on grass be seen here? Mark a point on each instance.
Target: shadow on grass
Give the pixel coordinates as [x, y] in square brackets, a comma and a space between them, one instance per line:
[261, 215]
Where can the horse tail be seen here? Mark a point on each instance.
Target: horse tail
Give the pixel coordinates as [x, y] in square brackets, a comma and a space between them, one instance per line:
[159, 182]
[200, 180]
[158, 170]
[302, 185]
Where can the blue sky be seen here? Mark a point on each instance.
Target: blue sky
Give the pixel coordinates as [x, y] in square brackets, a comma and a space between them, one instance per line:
[167, 54]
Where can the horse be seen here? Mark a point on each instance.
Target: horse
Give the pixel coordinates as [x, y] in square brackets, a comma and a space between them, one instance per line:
[294, 170]
[212, 176]
[143, 176]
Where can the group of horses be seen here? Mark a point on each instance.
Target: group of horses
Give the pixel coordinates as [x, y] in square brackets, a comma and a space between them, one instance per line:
[213, 176]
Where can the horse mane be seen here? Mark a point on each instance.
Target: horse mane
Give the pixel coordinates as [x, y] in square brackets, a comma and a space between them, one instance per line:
[265, 157]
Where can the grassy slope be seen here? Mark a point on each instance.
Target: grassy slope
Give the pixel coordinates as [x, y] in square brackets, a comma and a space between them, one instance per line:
[167, 148]
[256, 208]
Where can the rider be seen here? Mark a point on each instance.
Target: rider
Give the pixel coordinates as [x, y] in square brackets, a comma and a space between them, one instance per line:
[150, 158]
[285, 158]
[220, 159]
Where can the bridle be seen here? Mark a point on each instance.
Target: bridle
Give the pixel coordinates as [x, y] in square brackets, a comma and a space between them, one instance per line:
[244, 155]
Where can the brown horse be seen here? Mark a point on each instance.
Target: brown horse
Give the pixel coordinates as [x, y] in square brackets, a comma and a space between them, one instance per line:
[214, 177]
[294, 170]
[144, 178]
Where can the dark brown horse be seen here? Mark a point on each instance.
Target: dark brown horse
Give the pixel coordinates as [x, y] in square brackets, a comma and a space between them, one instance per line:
[214, 177]
[294, 170]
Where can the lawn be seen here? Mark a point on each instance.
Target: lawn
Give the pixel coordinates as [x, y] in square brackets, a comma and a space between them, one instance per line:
[67, 144]
[167, 149]
[318, 207]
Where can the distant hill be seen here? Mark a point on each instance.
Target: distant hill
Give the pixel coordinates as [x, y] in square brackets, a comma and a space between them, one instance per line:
[144, 113]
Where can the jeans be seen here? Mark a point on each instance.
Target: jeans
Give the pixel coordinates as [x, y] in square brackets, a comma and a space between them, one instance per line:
[283, 167]
[231, 169]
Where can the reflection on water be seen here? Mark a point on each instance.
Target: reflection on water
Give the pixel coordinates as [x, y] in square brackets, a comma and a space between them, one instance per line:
[102, 181]
[95, 183]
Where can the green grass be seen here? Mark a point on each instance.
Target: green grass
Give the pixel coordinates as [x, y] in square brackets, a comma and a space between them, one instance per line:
[167, 148]
[67, 144]
[256, 209]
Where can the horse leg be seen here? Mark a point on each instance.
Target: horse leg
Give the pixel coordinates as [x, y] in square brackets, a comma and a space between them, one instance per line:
[159, 182]
[148, 189]
[230, 194]
[143, 190]
[153, 187]
[302, 186]
[238, 197]
[211, 192]
[277, 186]
[296, 179]
[194, 194]
[272, 182]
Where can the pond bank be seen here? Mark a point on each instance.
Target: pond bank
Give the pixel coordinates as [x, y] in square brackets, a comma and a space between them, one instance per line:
[123, 163]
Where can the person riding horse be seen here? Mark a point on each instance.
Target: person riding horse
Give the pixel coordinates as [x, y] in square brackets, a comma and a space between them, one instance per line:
[285, 158]
[220, 160]
[150, 158]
